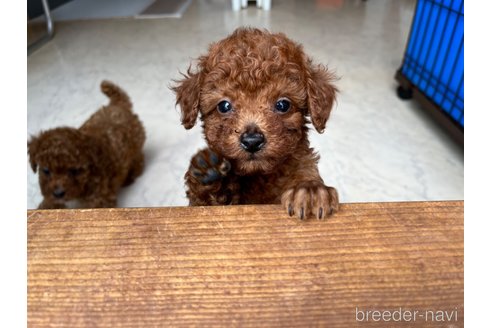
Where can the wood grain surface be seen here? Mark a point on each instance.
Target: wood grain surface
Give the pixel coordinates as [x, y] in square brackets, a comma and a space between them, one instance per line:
[246, 266]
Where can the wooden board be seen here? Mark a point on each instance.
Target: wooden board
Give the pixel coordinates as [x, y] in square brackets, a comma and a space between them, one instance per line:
[246, 266]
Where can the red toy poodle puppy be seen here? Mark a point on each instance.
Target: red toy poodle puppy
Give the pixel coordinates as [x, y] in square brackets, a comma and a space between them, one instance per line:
[255, 92]
[85, 167]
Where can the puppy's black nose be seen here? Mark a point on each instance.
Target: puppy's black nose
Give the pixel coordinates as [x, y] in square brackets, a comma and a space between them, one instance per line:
[252, 142]
[59, 193]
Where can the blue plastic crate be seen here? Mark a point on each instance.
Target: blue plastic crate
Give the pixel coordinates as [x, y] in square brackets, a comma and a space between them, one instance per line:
[433, 60]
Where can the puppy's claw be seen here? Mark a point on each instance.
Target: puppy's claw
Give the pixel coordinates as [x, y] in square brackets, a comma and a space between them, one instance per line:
[310, 198]
[225, 167]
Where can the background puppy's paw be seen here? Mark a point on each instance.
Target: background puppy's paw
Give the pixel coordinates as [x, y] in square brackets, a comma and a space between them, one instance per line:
[208, 167]
[310, 198]
[47, 205]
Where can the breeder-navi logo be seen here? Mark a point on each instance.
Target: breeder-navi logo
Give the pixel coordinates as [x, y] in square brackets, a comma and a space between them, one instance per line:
[405, 315]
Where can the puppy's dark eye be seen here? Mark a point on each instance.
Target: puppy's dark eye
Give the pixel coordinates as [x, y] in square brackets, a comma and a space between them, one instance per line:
[224, 107]
[46, 170]
[74, 171]
[282, 105]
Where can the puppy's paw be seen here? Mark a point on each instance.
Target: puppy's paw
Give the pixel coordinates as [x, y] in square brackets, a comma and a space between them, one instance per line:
[208, 167]
[310, 198]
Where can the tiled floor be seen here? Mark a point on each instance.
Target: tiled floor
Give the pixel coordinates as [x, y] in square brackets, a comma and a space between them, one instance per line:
[375, 148]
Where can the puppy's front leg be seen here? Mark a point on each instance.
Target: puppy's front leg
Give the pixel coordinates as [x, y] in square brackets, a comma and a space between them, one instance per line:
[310, 197]
[209, 180]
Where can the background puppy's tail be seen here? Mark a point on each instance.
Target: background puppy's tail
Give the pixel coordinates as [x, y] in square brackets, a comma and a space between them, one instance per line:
[116, 95]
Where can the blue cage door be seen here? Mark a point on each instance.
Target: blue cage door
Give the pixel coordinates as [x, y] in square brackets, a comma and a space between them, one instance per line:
[433, 64]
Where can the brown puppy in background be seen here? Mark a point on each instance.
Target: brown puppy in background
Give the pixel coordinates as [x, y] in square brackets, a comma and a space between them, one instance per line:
[254, 91]
[85, 167]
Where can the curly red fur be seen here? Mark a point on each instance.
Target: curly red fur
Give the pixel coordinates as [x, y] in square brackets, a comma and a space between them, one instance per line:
[86, 167]
[252, 69]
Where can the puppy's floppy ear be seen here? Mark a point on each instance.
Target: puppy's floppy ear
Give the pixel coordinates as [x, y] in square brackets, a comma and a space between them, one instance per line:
[32, 149]
[321, 94]
[188, 97]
